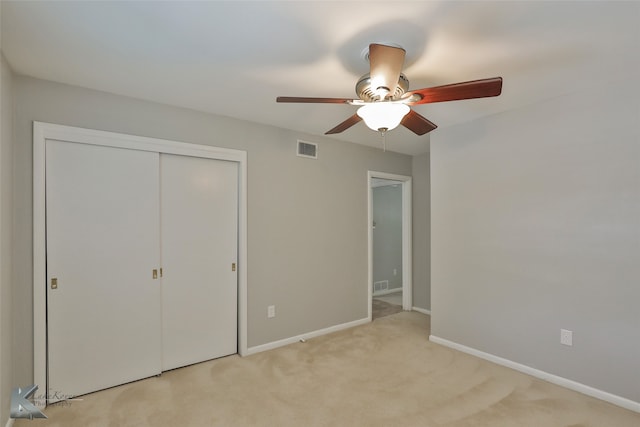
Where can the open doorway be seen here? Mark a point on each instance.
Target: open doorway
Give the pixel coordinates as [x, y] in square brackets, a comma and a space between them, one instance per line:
[390, 256]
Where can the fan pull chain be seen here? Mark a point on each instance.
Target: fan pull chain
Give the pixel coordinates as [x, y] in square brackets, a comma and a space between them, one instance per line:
[383, 135]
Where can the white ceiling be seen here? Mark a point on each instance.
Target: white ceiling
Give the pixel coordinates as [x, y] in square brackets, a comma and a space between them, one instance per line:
[233, 58]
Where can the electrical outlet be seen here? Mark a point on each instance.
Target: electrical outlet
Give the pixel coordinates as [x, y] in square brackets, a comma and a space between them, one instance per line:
[271, 311]
[395, 271]
[566, 337]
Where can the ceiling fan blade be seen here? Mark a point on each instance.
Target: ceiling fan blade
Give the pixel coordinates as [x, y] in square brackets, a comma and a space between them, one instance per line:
[466, 90]
[314, 100]
[417, 123]
[344, 125]
[385, 64]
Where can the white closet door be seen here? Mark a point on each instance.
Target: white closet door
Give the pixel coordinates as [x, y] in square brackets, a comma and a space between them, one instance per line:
[199, 229]
[102, 245]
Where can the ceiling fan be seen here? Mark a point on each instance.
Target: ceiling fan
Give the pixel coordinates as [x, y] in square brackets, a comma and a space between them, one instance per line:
[384, 98]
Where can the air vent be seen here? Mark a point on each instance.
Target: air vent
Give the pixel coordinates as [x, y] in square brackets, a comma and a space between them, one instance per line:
[382, 285]
[307, 149]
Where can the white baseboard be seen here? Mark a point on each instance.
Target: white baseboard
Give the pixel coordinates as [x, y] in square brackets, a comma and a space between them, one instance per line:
[555, 379]
[421, 310]
[10, 422]
[387, 292]
[297, 338]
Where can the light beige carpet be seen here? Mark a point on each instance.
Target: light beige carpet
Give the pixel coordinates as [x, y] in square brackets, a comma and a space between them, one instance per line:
[381, 308]
[385, 373]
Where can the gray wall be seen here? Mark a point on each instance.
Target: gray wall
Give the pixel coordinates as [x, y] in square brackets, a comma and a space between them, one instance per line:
[421, 232]
[6, 141]
[307, 219]
[387, 236]
[536, 227]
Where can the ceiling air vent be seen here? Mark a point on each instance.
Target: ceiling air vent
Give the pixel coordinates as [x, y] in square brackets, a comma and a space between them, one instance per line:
[307, 149]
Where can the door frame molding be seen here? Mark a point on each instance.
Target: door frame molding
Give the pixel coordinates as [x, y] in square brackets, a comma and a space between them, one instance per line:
[407, 242]
[43, 131]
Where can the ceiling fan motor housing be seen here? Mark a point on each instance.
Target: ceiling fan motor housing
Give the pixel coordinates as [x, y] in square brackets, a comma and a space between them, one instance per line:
[368, 93]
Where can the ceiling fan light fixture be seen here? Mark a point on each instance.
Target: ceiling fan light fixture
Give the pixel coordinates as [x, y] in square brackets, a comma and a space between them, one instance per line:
[383, 115]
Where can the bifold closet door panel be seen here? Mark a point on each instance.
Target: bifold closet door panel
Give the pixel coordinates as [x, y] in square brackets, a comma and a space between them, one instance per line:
[104, 309]
[199, 229]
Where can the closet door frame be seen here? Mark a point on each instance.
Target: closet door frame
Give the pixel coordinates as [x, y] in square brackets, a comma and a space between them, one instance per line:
[47, 131]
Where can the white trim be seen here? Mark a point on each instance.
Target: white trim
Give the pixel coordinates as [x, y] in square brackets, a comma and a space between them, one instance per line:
[407, 235]
[421, 310]
[555, 379]
[44, 131]
[39, 261]
[243, 323]
[141, 143]
[386, 292]
[10, 422]
[309, 335]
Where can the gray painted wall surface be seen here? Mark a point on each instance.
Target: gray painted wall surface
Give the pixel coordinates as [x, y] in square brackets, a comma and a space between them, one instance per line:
[307, 219]
[6, 218]
[536, 227]
[421, 232]
[387, 236]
